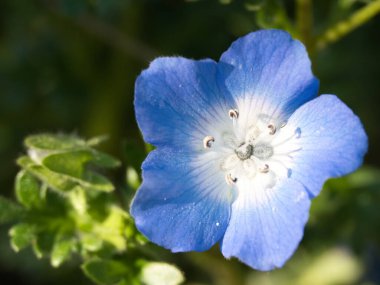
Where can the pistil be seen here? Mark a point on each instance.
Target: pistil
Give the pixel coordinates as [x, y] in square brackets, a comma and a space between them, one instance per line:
[244, 151]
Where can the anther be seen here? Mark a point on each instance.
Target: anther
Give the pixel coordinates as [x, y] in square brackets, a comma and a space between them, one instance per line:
[264, 169]
[207, 141]
[230, 180]
[233, 113]
[272, 129]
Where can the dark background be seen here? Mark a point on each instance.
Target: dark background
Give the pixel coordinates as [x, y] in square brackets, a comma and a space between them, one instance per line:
[70, 66]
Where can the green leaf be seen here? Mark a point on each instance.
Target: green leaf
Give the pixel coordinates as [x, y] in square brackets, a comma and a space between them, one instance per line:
[91, 242]
[44, 243]
[52, 142]
[54, 180]
[64, 182]
[97, 140]
[28, 191]
[133, 179]
[104, 160]
[160, 273]
[64, 148]
[112, 229]
[22, 235]
[9, 211]
[70, 163]
[105, 271]
[78, 199]
[62, 249]
[95, 181]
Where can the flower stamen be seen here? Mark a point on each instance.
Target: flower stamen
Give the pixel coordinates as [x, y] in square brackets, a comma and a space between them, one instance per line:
[264, 169]
[272, 129]
[207, 141]
[230, 180]
[233, 114]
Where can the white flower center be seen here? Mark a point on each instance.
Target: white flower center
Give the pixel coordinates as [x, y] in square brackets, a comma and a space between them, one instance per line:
[260, 152]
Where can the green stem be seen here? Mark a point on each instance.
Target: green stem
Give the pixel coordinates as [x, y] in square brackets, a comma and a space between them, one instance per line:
[304, 18]
[341, 29]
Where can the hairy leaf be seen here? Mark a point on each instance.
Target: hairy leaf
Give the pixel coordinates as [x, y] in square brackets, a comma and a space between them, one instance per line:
[22, 235]
[105, 271]
[28, 190]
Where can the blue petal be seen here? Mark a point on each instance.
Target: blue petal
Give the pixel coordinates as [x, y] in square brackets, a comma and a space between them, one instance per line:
[184, 203]
[266, 225]
[333, 142]
[178, 102]
[271, 73]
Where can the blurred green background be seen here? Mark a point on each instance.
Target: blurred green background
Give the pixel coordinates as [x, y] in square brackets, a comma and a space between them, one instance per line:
[70, 66]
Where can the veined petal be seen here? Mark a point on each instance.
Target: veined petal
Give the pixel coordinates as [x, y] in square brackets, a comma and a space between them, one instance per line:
[178, 102]
[184, 203]
[332, 142]
[268, 72]
[266, 225]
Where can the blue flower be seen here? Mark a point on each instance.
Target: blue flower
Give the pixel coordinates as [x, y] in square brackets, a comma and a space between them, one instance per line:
[242, 146]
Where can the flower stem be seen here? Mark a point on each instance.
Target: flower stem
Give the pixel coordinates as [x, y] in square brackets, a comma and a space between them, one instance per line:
[341, 29]
[304, 18]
